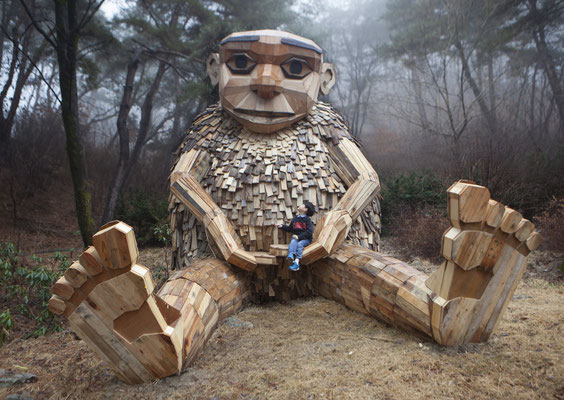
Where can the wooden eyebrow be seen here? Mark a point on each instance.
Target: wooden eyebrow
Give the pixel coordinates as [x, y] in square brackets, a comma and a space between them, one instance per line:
[245, 38]
[303, 45]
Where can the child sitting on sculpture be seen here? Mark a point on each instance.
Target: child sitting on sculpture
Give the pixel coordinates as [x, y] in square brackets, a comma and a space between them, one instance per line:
[301, 229]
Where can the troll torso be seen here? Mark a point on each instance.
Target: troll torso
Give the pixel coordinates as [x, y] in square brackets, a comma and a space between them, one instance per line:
[258, 180]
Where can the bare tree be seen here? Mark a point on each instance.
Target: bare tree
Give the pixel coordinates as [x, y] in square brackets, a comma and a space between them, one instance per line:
[539, 19]
[71, 18]
[26, 51]
[352, 43]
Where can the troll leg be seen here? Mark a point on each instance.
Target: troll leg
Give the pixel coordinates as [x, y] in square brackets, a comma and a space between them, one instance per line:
[109, 301]
[485, 254]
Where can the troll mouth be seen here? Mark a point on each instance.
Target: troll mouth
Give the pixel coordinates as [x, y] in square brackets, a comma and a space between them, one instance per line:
[268, 114]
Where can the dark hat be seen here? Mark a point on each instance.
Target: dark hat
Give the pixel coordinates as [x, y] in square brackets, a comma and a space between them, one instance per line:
[310, 208]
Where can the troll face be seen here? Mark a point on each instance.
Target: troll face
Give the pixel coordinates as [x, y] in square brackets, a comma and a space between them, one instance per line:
[269, 79]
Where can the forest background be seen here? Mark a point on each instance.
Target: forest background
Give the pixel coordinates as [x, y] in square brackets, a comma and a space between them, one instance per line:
[96, 97]
[99, 95]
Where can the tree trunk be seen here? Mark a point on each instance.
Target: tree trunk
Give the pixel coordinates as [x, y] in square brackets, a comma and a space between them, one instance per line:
[475, 89]
[67, 47]
[145, 123]
[123, 133]
[491, 88]
[547, 63]
[127, 161]
[23, 75]
[176, 116]
[533, 94]
[20, 63]
[6, 15]
[5, 130]
[415, 80]
[6, 124]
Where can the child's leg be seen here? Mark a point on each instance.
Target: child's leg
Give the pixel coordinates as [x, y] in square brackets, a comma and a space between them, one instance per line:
[300, 249]
[292, 248]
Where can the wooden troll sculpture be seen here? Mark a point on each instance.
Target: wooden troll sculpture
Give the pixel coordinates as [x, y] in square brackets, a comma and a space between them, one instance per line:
[246, 164]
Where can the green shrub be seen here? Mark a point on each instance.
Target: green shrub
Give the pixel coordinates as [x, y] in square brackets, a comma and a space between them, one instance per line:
[410, 191]
[414, 213]
[6, 323]
[26, 289]
[147, 213]
[413, 189]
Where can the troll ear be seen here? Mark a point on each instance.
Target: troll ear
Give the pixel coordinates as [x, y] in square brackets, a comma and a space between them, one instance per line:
[212, 68]
[327, 78]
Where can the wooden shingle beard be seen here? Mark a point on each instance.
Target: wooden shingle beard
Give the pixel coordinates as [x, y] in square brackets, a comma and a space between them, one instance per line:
[267, 147]
[259, 180]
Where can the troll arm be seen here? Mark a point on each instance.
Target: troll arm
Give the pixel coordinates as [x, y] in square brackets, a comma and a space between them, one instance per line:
[363, 187]
[185, 185]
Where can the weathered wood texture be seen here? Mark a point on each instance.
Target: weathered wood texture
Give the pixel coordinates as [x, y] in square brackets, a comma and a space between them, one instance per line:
[232, 186]
[253, 95]
[188, 190]
[259, 180]
[375, 284]
[486, 252]
[464, 299]
[278, 283]
[207, 292]
[110, 304]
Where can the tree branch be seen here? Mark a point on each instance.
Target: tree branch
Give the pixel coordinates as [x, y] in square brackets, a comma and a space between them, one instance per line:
[87, 18]
[47, 37]
[34, 65]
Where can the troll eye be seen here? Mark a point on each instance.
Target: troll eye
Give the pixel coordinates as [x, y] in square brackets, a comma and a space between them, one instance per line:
[240, 63]
[295, 68]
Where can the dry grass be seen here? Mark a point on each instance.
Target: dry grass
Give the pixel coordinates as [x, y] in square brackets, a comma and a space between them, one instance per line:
[315, 348]
[551, 224]
[417, 232]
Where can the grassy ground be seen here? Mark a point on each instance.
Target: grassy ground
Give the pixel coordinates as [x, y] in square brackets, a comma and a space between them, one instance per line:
[314, 349]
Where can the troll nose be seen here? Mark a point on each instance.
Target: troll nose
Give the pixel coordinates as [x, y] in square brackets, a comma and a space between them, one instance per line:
[266, 86]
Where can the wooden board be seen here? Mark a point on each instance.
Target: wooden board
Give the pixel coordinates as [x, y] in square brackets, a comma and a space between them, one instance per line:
[259, 180]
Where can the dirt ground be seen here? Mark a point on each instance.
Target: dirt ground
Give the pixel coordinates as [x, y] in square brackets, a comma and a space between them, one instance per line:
[317, 349]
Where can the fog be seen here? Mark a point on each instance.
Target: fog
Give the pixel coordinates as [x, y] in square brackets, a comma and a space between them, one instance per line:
[459, 89]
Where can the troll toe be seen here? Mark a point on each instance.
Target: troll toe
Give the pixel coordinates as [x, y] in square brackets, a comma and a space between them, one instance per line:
[485, 254]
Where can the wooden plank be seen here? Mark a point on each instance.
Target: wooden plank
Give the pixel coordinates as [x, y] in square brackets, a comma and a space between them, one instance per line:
[453, 320]
[57, 305]
[116, 245]
[104, 342]
[534, 241]
[466, 248]
[510, 221]
[281, 178]
[279, 250]
[263, 258]
[415, 305]
[494, 214]
[63, 289]
[91, 261]
[524, 230]
[468, 202]
[76, 275]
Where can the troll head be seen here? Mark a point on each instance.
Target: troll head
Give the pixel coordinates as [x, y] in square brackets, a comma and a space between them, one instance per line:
[269, 79]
